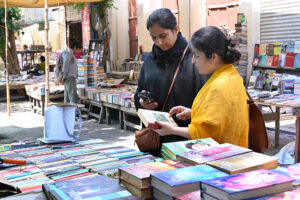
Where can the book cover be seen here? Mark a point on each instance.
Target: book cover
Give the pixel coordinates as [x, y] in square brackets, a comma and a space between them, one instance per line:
[263, 60]
[271, 50]
[297, 47]
[293, 194]
[213, 153]
[289, 59]
[284, 47]
[255, 61]
[149, 117]
[145, 193]
[175, 148]
[292, 171]
[263, 49]
[245, 162]
[269, 61]
[275, 61]
[196, 195]
[291, 46]
[297, 61]
[277, 48]
[256, 49]
[247, 185]
[140, 174]
[281, 61]
[252, 81]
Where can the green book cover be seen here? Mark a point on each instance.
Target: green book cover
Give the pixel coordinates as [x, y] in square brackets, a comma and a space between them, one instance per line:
[175, 148]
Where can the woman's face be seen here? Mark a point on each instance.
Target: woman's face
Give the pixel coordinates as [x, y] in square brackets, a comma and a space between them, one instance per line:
[162, 37]
[203, 64]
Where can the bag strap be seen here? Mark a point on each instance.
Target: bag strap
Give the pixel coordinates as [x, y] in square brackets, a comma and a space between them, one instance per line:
[175, 74]
[249, 97]
[74, 135]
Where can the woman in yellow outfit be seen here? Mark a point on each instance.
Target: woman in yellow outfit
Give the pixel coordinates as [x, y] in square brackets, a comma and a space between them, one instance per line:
[220, 108]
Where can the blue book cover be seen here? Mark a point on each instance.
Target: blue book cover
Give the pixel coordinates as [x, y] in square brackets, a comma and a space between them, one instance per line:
[187, 175]
[297, 61]
[247, 181]
[292, 171]
[263, 60]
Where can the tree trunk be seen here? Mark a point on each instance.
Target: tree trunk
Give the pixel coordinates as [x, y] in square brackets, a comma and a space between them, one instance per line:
[12, 55]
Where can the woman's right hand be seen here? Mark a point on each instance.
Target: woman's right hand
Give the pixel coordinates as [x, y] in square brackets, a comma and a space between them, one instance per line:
[149, 105]
[181, 112]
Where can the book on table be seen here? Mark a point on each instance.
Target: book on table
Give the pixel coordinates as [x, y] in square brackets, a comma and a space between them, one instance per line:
[175, 148]
[293, 194]
[292, 171]
[149, 117]
[245, 162]
[183, 180]
[246, 185]
[196, 195]
[213, 153]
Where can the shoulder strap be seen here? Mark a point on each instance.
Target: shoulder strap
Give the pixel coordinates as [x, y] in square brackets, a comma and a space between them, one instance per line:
[175, 74]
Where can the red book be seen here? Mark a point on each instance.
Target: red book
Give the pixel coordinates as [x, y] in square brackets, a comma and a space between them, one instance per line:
[256, 49]
[289, 59]
[275, 61]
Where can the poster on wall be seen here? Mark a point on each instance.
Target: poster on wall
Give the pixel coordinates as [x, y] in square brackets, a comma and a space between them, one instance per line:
[86, 34]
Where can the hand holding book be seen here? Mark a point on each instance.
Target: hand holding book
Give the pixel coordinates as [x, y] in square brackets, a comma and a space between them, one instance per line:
[146, 100]
[181, 112]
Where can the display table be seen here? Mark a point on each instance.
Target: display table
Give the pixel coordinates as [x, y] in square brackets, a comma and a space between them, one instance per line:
[276, 116]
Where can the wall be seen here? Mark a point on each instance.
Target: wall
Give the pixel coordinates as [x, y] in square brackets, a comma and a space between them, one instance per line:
[119, 28]
[251, 9]
[57, 33]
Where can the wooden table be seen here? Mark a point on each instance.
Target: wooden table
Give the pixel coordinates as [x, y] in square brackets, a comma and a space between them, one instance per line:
[276, 116]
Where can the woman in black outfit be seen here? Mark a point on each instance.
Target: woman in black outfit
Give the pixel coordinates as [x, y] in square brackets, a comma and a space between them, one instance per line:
[160, 65]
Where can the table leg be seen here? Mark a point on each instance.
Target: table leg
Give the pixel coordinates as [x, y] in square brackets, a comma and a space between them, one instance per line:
[297, 142]
[43, 107]
[121, 119]
[108, 122]
[277, 126]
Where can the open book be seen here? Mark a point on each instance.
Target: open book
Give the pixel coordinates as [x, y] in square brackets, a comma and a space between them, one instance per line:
[149, 117]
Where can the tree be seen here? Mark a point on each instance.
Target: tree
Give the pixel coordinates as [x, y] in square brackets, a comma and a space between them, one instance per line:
[14, 15]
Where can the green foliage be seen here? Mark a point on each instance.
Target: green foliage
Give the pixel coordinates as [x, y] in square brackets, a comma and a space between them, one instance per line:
[101, 5]
[13, 15]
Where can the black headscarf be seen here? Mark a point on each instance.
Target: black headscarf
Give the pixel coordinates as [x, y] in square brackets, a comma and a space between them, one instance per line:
[173, 55]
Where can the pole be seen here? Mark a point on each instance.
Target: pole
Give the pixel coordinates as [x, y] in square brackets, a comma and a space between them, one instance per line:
[47, 54]
[6, 61]
[108, 37]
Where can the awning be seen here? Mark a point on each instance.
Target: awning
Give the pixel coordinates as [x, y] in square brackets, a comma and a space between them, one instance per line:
[41, 3]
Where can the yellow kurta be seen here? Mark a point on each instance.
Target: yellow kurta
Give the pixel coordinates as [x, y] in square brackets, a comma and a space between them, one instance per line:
[220, 109]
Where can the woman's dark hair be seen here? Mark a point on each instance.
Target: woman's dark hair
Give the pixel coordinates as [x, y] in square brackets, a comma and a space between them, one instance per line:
[211, 40]
[162, 17]
[42, 58]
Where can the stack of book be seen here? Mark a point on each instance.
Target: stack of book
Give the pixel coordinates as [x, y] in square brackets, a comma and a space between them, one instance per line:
[241, 36]
[136, 178]
[170, 150]
[168, 184]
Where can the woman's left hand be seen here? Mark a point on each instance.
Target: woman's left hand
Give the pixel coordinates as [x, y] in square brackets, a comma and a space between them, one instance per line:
[166, 129]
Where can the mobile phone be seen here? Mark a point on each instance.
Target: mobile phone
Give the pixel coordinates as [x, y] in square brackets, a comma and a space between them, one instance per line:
[146, 96]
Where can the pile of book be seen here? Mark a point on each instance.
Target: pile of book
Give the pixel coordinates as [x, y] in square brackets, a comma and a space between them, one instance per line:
[241, 37]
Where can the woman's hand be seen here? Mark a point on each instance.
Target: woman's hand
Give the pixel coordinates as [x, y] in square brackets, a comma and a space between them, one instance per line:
[150, 105]
[181, 112]
[166, 128]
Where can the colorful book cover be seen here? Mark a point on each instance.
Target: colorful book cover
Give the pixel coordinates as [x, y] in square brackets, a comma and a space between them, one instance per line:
[292, 171]
[277, 48]
[297, 47]
[213, 153]
[281, 61]
[275, 61]
[143, 171]
[188, 175]
[284, 47]
[269, 61]
[256, 49]
[189, 196]
[271, 50]
[247, 181]
[289, 59]
[293, 194]
[175, 148]
[263, 49]
[263, 60]
[297, 61]
[291, 46]
[245, 162]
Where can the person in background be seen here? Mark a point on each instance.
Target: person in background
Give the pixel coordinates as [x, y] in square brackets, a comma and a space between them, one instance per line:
[159, 67]
[220, 110]
[42, 64]
[66, 70]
